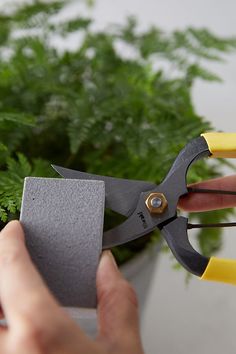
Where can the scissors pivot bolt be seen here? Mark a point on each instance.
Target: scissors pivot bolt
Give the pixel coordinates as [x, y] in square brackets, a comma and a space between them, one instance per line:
[156, 203]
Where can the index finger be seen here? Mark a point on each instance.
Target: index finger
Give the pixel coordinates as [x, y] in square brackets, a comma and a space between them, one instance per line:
[206, 202]
[21, 287]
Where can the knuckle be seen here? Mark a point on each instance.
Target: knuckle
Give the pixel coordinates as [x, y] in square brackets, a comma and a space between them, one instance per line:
[30, 337]
[35, 338]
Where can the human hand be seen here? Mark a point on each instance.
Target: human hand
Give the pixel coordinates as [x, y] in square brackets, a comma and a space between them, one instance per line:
[203, 202]
[36, 322]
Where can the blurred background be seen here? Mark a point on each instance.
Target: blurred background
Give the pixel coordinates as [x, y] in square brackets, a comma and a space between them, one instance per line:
[179, 317]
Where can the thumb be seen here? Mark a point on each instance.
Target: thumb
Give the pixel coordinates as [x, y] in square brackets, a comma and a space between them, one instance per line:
[117, 309]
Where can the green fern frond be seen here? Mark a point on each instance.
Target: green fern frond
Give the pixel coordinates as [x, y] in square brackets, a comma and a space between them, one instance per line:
[17, 118]
[12, 179]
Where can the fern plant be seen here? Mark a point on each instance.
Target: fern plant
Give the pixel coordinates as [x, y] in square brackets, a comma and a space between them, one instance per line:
[95, 109]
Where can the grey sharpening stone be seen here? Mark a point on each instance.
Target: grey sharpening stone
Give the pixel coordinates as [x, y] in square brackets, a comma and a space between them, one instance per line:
[63, 224]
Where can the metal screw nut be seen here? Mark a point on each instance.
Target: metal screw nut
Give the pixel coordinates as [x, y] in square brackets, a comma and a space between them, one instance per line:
[156, 203]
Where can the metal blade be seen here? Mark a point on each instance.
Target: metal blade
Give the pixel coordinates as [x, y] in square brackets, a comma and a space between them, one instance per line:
[138, 224]
[122, 195]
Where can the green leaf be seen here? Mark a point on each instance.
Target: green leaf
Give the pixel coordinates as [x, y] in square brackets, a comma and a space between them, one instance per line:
[5, 28]
[3, 214]
[3, 148]
[196, 71]
[19, 118]
[74, 25]
[42, 168]
[4, 153]
[78, 131]
[25, 12]
[11, 182]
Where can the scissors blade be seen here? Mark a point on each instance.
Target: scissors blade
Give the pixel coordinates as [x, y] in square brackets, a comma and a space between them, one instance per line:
[140, 223]
[122, 195]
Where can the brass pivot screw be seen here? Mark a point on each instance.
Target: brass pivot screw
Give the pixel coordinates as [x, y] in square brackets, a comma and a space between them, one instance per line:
[156, 203]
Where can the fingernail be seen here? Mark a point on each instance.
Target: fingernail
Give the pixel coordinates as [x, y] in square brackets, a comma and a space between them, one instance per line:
[107, 269]
[107, 264]
[107, 257]
[14, 227]
[9, 225]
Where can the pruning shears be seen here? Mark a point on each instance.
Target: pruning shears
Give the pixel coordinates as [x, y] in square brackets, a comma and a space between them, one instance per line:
[148, 206]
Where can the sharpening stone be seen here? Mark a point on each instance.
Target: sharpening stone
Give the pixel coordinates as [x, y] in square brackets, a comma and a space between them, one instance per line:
[63, 224]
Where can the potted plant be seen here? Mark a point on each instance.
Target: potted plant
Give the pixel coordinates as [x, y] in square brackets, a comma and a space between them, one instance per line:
[97, 110]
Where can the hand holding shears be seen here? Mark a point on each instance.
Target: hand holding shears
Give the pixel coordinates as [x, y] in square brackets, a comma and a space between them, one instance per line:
[147, 206]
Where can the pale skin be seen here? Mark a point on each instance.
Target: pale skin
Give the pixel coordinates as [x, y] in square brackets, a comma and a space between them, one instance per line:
[36, 322]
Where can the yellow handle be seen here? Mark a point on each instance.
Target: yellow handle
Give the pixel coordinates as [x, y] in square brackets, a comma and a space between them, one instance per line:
[221, 144]
[221, 270]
